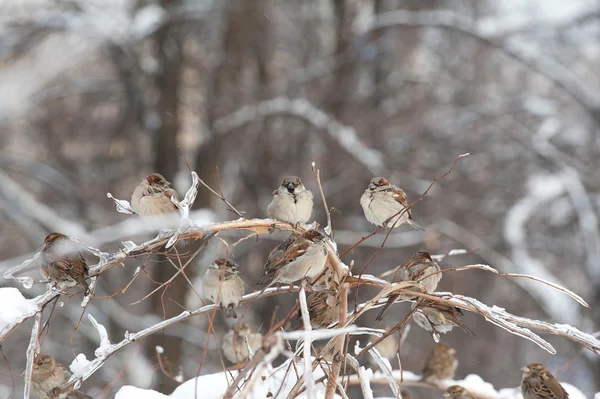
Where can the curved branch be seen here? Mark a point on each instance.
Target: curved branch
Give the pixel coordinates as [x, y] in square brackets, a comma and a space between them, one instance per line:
[552, 70]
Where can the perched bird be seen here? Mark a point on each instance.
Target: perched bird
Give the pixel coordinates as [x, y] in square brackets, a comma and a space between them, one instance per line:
[291, 202]
[323, 308]
[438, 318]
[539, 383]
[47, 378]
[298, 257]
[420, 268]
[458, 392]
[234, 345]
[383, 204]
[152, 197]
[62, 263]
[222, 283]
[440, 363]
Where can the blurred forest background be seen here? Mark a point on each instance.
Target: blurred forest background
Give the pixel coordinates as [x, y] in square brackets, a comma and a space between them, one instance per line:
[95, 94]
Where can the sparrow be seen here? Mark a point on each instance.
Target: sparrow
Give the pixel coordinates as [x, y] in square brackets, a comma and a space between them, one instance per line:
[234, 346]
[383, 204]
[420, 268]
[62, 264]
[458, 392]
[539, 383]
[298, 257]
[222, 283]
[440, 364]
[152, 197]
[438, 318]
[47, 378]
[323, 308]
[291, 202]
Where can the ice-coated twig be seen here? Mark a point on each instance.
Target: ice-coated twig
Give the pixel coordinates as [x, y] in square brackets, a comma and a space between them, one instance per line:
[186, 203]
[364, 377]
[103, 350]
[123, 206]
[26, 281]
[540, 280]
[384, 366]
[310, 384]
[32, 352]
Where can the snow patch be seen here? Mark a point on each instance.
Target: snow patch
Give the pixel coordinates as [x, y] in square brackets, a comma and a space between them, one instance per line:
[14, 307]
[79, 365]
[213, 386]
[130, 392]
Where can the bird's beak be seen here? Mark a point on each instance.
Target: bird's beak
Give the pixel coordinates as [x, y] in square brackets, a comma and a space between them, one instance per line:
[525, 369]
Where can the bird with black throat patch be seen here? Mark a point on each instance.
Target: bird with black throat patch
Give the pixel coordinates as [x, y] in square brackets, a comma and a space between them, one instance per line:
[291, 202]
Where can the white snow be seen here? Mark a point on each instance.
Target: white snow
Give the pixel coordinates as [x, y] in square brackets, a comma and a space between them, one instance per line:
[159, 349]
[14, 307]
[213, 386]
[79, 365]
[130, 392]
[105, 345]
[597, 395]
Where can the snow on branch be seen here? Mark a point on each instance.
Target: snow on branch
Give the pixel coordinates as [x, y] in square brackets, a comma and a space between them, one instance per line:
[345, 135]
[247, 381]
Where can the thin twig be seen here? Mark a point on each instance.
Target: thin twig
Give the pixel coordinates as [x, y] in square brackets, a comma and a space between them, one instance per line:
[308, 378]
[32, 352]
[328, 228]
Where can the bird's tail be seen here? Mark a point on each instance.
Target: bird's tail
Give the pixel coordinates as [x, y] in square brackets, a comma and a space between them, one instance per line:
[230, 312]
[84, 285]
[386, 307]
[415, 225]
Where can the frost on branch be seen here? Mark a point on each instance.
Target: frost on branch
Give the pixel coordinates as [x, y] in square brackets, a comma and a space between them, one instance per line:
[105, 345]
[123, 206]
[14, 307]
[311, 373]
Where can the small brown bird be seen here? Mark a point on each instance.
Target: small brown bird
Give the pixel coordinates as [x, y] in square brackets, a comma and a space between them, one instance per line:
[539, 383]
[296, 258]
[222, 283]
[383, 204]
[440, 364]
[62, 263]
[438, 318]
[457, 392]
[420, 268]
[234, 346]
[323, 308]
[152, 197]
[292, 202]
[47, 378]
